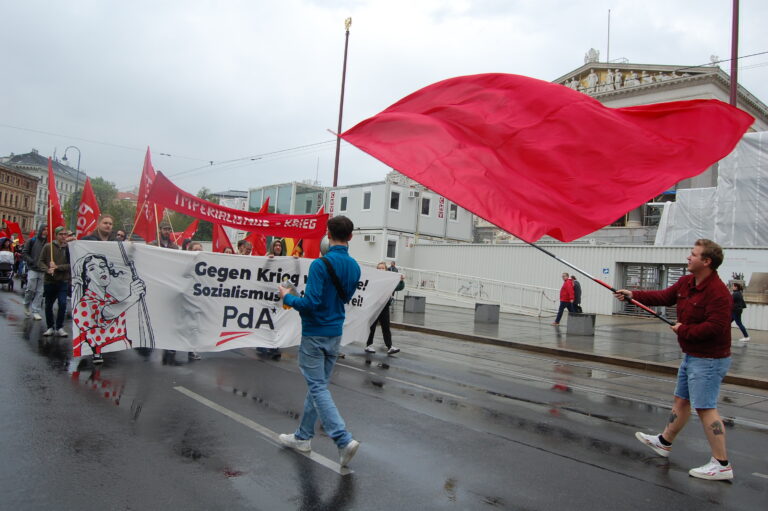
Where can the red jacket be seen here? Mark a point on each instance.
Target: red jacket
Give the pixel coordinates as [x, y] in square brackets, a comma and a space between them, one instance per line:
[703, 310]
[566, 292]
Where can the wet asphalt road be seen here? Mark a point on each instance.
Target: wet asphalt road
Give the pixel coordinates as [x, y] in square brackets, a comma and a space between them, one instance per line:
[444, 425]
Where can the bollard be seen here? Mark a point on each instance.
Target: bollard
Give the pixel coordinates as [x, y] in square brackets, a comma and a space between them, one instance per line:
[417, 304]
[487, 313]
[581, 324]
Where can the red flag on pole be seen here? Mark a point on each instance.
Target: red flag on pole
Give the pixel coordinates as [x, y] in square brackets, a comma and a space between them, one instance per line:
[145, 225]
[14, 228]
[536, 158]
[88, 212]
[55, 218]
[220, 239]
[312, 246]
[188, 232]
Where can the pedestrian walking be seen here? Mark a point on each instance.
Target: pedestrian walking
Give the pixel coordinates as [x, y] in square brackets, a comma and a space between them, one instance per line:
[33, 295]
[383, 320]
[103, 231]
[331, 283]
[566, 298]
[576, 294]
[738, 307]
[53, 261]
[703, 331]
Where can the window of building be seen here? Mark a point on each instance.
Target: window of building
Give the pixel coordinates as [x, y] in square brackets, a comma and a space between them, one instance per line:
[343, 203]
[425, 203]
[366, 200]
[391, 249]
[394, 200]
[453, 212]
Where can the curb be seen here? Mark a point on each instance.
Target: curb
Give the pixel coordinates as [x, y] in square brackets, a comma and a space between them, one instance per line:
[657, 367]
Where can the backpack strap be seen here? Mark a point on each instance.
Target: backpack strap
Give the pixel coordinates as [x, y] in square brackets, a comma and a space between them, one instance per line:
[335, 280]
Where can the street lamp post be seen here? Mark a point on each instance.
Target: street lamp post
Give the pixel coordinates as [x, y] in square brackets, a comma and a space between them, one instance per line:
[347, 24]
[73, 220]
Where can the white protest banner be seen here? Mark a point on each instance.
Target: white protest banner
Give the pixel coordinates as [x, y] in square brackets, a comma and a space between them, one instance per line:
[129, 295]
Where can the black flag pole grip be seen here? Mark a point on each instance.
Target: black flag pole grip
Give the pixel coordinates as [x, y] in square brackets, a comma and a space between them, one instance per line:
[605, 285]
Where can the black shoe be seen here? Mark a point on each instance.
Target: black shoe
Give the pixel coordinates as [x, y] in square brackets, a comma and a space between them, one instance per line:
[97, 359]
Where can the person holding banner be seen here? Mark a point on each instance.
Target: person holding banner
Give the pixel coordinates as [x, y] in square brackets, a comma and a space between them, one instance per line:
[383, 319]
[54, 263]
[98, 314]
[331, 283]
[103, 231]
[166, 237]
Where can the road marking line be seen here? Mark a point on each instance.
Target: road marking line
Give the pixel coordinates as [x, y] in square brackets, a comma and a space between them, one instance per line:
[422, 387]
[758, 474]
[266, 432]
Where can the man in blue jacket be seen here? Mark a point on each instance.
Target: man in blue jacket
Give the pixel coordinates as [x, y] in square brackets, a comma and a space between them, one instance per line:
[331, 283]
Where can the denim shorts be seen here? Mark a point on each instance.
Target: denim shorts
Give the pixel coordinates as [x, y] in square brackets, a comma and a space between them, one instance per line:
[698, 380]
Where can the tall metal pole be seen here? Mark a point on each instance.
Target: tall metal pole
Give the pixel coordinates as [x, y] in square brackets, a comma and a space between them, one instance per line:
[734, 52]
[608, 51]
[347, 24]
[73, 219]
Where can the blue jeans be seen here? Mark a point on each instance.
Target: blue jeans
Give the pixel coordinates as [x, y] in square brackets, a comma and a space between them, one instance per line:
[698, 380]
[563, 306]
[317, 356]
[56, 291]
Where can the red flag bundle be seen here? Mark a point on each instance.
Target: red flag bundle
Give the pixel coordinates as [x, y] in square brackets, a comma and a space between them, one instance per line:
[220, 239]
[55, 218]
[188, 232]
[312, 246]
[536, 158]
[259, 241]
[88, 212]
[146, 224]
[13, 228]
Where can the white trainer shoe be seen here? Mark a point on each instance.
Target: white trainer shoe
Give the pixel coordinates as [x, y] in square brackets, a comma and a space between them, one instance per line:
[370, 349]
[347, 452]
[49, 332]
[713, 471]
[295, 443]
[61, 333]
[393, 350]
[653, 442]
[37, 316]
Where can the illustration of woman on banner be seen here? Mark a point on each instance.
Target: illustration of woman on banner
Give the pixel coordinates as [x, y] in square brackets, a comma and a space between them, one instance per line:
[98, 313]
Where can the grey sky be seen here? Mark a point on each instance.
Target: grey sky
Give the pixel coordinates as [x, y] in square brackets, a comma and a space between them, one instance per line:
[204, 80]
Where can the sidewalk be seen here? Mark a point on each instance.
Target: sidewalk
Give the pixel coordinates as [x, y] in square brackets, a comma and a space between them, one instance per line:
[640, 343]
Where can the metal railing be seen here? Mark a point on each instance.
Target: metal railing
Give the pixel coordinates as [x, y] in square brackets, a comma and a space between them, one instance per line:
[510, 296]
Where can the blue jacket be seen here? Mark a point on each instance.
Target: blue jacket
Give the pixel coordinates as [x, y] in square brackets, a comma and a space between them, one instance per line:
[321, 308]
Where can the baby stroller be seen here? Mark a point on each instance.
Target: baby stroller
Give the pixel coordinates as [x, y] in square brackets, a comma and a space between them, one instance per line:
[6, 275]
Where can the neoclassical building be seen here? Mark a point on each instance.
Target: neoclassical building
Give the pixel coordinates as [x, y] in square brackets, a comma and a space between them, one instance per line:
[17, 198]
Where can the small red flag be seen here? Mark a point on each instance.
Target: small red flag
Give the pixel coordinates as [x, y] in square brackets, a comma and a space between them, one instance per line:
[536, 158]
[13, 228]
[88, 212]
[259, 241]
[55, 218]
[188, 232]
[145, 211]
[220, 239]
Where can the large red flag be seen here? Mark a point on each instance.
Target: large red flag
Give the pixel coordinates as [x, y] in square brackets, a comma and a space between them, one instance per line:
[55, 218]
[259, 241]
[88, 212]
[312, 245]
[14, 228]
[537, 158]
[146, 225]
[220, 239]
[188, 232]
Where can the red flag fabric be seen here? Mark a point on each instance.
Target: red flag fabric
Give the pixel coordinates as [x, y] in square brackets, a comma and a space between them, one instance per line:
[146, 224]
[188, 232]
[537, 158]
[259, 241]
[55, 218]
[88, 212]
[167, 195]
[31, 234]
[220, 239]
[312, 245]
[14, 228]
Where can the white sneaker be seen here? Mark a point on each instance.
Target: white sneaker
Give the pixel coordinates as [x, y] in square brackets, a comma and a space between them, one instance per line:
[37, 316]
[295, 443]
[653, 442]
[370, 349]
[49, 332]
[347, 452]
[393, 350]
[61, 333]
[713, 471]
[744, 339]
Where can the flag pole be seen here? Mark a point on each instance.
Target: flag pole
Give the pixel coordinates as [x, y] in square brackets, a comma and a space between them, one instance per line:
[598, 281]
[157, 225]
[135, 220]
[50, 224]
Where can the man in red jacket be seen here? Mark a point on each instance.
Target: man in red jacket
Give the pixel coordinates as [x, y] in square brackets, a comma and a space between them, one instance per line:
[703, 331]
[566, 298]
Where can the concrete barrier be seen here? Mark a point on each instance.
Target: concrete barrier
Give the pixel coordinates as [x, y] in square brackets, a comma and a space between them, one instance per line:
[581, 324]
[417, 304]
[486, 313]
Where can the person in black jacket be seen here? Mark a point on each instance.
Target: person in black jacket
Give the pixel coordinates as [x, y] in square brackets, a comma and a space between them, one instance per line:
[103, 231]
[738, 307]
[33, 295]
[576, 294]
[383, 320]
